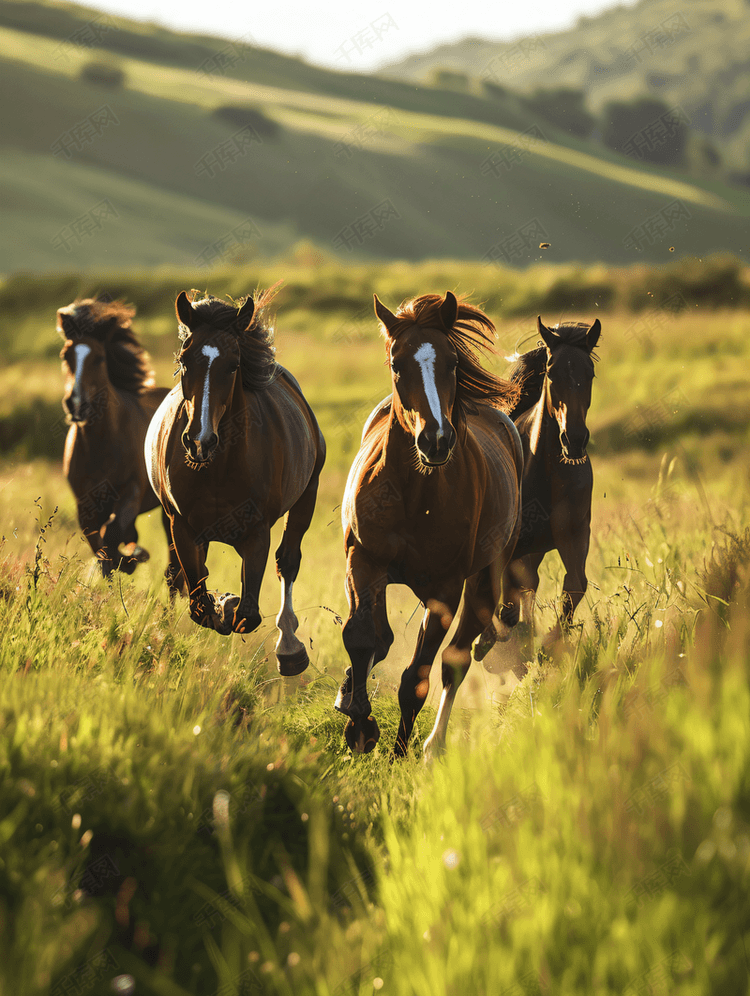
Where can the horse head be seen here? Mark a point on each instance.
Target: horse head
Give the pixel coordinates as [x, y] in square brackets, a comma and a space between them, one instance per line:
[423, 365]
[570, 372]
[84, 359]
[209, 364]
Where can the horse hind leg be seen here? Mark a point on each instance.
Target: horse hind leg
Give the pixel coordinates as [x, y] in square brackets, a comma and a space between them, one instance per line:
[291, 653]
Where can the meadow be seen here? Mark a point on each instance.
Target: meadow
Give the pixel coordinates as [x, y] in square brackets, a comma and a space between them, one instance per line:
[175, 818]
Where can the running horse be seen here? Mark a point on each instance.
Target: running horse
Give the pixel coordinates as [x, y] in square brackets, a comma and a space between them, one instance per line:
[108, 402]
[432, 501]
[232, 448]
[555, 381]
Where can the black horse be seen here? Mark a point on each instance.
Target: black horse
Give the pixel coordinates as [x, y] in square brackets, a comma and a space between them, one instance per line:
[550, 416]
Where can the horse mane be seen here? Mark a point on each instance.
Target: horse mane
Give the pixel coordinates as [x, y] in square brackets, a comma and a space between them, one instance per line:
[258, 366]
[472, 331]
[108, 322]
[530, 369]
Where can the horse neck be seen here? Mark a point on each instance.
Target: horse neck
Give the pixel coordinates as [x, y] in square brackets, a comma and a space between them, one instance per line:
[543, 432]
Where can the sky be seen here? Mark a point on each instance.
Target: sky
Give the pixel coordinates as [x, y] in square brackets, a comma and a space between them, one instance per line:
[362, 36]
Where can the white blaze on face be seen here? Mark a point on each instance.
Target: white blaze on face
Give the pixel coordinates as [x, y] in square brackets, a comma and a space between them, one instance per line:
[425, 357]
[211, 352]
[81, 352]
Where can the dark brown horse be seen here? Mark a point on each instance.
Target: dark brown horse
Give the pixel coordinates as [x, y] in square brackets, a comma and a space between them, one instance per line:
[233, 448]
[550, 415]
[432, 501]
[109, 400]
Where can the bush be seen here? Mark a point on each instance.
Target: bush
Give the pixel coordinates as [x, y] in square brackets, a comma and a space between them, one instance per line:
[248, 117]
[633, 129]
[449, 79]
[103, 74]
[565, 108]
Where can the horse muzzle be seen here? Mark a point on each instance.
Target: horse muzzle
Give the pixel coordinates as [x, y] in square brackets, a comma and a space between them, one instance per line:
[436, 448]
[200, 452]
[573, 452]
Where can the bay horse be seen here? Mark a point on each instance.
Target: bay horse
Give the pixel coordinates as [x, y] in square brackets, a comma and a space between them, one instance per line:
[550, 415]
[109, 400]
[232, 448]
[432, 501]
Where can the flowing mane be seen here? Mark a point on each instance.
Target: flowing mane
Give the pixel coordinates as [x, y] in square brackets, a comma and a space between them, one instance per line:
[472, 331]
[257, 352]
[128, 363]
[529, 370]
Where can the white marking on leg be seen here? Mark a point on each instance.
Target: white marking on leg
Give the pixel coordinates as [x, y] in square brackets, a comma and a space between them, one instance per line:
[81, 353]
[286, 621]
[425, 357]
[211, 352]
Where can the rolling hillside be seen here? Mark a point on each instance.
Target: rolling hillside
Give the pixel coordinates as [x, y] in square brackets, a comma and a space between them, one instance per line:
[182, 163]
[695, 55]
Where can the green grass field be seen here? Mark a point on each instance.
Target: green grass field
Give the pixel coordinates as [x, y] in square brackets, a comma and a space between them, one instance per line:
[176, 817]
[179, 181]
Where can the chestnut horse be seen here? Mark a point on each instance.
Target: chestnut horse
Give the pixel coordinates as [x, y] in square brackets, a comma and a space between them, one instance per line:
[233, 448]
[109, 400]
[433, 502]
[556, 381]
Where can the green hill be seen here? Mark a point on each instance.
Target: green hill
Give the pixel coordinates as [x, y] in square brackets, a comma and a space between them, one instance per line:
[695, 55]
[180, 163]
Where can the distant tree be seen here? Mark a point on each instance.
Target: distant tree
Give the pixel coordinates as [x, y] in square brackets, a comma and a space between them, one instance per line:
[449, 79]
[646, 129]
[564, 107]
[242, 117]
[103, 74]
[495, 90]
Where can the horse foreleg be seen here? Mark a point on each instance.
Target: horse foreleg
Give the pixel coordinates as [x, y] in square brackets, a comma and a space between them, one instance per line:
[242, 615]
[173, 574]
[480, 600]
[573, 550]
[291, 654]
[415, 681]
[92, 528]
[121, 531]
[191, 557]
[365, 588]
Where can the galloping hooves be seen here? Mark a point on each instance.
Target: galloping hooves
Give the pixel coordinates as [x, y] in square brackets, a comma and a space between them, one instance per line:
[291, 664]
[362, 735]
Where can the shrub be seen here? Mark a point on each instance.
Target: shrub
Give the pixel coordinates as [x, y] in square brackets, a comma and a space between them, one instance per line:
[103, 74]
[565, 108]
[244, 117]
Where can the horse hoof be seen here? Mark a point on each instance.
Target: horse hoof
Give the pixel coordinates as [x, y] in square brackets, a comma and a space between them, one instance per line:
[362, 735]
[291, 664]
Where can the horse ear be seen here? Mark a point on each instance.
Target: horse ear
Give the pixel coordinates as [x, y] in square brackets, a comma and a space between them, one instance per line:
[549, 337]
[449, 310]
[184, 309]
[246, 312]
[386, 317]
[67, 325]
[592, 336]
